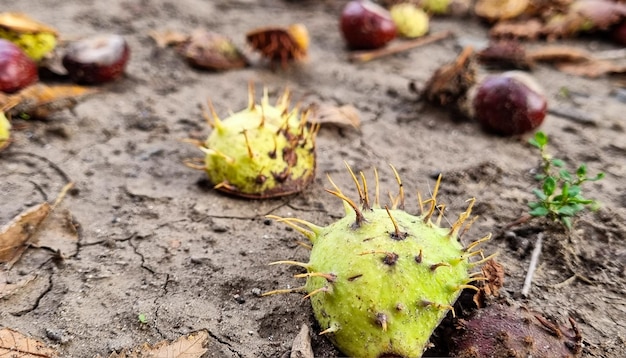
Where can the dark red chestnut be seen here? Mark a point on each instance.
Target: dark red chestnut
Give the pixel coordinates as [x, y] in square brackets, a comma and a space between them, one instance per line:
[619, 33]
[97, 59]
[366, 25]
[509, 103]
[17, 70]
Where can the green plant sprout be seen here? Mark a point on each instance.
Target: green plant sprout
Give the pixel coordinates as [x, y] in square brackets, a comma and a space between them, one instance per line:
[143, 319]
[560, 196]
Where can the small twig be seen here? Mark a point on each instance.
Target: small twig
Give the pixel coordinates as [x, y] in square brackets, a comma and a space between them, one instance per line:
[534, 259]
[364, 56]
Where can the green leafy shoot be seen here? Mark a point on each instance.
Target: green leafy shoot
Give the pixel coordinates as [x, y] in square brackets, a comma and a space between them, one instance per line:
[142, 318]
[560, 196]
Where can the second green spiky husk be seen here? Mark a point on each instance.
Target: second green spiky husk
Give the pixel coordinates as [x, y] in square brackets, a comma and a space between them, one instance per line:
[380, 279]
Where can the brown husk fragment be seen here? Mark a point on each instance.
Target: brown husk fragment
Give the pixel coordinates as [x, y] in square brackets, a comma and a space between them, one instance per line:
[212, 51]
[279, 44]
[449, 84]
[500, 330]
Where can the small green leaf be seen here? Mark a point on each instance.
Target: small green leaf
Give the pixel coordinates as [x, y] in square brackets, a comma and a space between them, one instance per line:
[565, 175]
[142, 318]
[539, 194]
[574, 190]
[567, 210]
[540, 140]
[558, 163]
[539, 211]
[597, 177]
[581, 172]
[566, 221]
[549, 184]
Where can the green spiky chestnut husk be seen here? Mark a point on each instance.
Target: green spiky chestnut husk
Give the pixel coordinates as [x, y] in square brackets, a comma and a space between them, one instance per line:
[35, 45]
[262, 151]
[380, 280]
[5, 131]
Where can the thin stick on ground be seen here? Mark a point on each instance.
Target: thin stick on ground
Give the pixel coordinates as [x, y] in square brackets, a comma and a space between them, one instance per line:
[364, 56]
[534, 259]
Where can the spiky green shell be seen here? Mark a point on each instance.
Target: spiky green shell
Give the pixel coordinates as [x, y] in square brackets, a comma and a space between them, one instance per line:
[380, 280]
[35, 45]
[5, 130]
[262, 151]
[389, 293]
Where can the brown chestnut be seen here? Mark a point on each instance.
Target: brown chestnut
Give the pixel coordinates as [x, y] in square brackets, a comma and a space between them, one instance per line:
[97, 59]
[17, 70]
[366, 25]
[509, 103]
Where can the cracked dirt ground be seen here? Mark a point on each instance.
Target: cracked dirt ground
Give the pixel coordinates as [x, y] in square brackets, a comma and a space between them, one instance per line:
[154, 238]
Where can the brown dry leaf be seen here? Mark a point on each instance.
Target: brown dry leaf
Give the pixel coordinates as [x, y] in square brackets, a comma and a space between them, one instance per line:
[18, 232]
[497, 10]
[167, 38]
[40, 100]
[591, 68]
[344, 116]
[523, 30]
[15, 344]
[189, 346]
[57, 233]
[558, 54]
[22, 23]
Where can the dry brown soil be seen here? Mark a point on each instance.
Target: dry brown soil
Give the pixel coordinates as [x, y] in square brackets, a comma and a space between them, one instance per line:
[155, 238]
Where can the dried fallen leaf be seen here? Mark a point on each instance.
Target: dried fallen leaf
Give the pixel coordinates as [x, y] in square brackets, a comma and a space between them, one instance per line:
[529, 29]
[189, 346]
[16, 344]
[167, 38]
[592, 68]
[39, 100]
[558, 54]
[346, 115]
[212, 51]
[497, 10]
[57, 233]
[18, 232]
[22, 23]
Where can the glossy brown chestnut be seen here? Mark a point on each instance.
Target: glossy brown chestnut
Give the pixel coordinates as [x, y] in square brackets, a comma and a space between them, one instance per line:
[97, 59]
[509, 103]
[366, 25]
[17, 70]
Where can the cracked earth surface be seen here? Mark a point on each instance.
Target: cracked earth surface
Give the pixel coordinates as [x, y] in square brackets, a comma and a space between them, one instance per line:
[154, 238]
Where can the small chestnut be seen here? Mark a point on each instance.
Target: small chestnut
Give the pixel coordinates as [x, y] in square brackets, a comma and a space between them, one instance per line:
[509, 103]
[366, 25]
[97, 59]
[17, 70]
